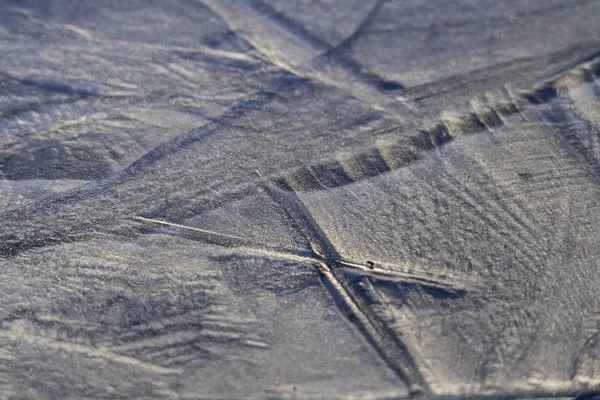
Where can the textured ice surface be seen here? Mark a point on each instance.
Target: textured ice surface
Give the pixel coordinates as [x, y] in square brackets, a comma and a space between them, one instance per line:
[300, 199]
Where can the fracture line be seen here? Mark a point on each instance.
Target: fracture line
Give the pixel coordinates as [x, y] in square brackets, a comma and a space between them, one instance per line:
[157, 221]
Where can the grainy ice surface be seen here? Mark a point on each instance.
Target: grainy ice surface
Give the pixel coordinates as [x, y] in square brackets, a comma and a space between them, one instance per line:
[307, 199]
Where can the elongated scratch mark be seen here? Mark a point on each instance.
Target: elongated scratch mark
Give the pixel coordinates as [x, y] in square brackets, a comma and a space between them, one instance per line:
[206, 231]
[303, 255]
[376, 271]
[300, 255]
[380, 272]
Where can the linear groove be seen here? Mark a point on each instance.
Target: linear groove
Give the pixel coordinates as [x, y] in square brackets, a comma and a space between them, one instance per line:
[349, 297]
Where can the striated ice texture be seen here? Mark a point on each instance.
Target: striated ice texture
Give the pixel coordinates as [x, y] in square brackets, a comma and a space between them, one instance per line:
[299, 199]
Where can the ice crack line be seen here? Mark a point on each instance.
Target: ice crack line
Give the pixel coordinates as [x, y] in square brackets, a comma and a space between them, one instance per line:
[336, 273]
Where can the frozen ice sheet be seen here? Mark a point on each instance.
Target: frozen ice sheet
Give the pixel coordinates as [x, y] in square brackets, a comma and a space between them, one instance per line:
[303, 199]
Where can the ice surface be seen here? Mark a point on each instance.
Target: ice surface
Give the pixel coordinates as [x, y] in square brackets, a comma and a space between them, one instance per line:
[303, 199]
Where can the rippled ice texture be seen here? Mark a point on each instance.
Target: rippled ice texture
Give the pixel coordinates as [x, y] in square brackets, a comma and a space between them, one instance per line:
[299, 199]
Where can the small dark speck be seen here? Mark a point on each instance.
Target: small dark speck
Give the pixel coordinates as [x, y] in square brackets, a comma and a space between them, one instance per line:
[371, 264]
[389, 86]
[525, 175]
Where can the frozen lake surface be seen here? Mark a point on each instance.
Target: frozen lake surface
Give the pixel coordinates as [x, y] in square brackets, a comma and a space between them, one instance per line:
[306, 199]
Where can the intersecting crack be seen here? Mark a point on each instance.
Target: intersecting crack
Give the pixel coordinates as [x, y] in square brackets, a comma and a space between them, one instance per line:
[334, 271]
